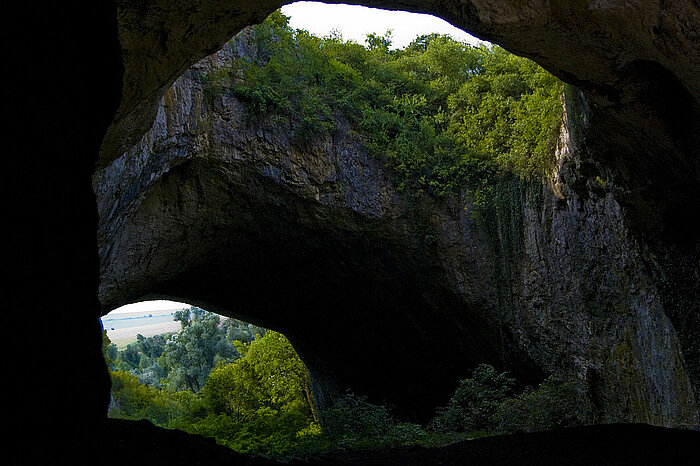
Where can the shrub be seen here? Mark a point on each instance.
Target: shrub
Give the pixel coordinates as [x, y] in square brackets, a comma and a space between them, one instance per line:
[132, 400]
[475, 401]
[552, 405]
[352, 422]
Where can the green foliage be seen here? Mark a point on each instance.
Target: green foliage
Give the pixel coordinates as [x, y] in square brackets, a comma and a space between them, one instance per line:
[552, 405]
[261, 403]
[485, 404]
[133, 400]
[266, 433]
[182, 360]
[475, 401]
[109, 350]
[444, 115]
[141, 358]
[269, 375]
[377, 42]
[499, 212]
[244, 332]
[190, 354]
[354, 423]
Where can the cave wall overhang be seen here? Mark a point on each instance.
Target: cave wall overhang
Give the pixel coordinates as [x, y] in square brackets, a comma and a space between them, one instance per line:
[237, 219]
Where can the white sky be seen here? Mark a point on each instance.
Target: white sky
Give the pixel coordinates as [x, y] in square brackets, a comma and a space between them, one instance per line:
[149, 306]
[355, 22]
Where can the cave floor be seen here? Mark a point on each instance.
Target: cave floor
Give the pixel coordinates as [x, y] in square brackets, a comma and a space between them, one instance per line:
[140, 442]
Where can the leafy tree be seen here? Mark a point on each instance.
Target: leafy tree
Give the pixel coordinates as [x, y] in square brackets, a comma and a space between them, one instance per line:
[109, 350]
[190, 354]
[552, 405]
[377, 42]
[133, 400]
[142, 359]
[237, 330]
[259, 404]
[150, 347]
[475, 401]
[269, 375]
[129, 358]
[183, 316]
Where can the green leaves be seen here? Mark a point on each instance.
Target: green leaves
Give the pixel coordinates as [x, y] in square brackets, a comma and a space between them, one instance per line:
[475, 401]
[256, 395]
[269, 375]
[261, 403]
[552, 405]
[190, 354]
[486, 404]
[445, 116]
[354, 423]
[133, 400]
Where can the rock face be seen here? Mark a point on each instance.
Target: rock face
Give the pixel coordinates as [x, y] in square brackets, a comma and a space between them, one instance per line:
[385, 297]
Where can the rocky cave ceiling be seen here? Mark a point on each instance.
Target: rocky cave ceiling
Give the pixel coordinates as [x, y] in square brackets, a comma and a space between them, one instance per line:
[230, 238]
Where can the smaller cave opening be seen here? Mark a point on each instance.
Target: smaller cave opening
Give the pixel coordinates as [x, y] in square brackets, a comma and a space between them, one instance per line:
[181, 367]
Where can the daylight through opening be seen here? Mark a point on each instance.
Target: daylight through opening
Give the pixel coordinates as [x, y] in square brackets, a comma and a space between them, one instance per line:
[185, 368]
[361, 130]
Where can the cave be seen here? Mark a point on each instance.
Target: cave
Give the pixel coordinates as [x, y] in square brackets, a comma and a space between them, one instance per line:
[84, 85]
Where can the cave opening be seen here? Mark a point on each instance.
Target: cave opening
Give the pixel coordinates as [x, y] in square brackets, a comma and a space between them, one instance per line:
[339, 248]
[53, 221]
[372, 201]
[181, 367]
[356, 22]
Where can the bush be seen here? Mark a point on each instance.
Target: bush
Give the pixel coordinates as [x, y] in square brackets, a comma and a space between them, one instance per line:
[132, 400]
[554, 404]
[266, 432]
[353, 422]
[475, 402]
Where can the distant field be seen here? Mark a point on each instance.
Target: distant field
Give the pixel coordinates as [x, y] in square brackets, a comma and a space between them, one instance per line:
[123, 328]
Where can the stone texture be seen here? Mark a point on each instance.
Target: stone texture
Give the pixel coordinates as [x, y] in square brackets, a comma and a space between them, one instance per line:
[382, 296]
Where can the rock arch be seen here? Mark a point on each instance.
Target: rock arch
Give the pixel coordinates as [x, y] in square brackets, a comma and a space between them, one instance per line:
[628, 59]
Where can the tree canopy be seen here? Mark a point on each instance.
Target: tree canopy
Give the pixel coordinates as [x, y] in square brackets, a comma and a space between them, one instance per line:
[444, 115]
